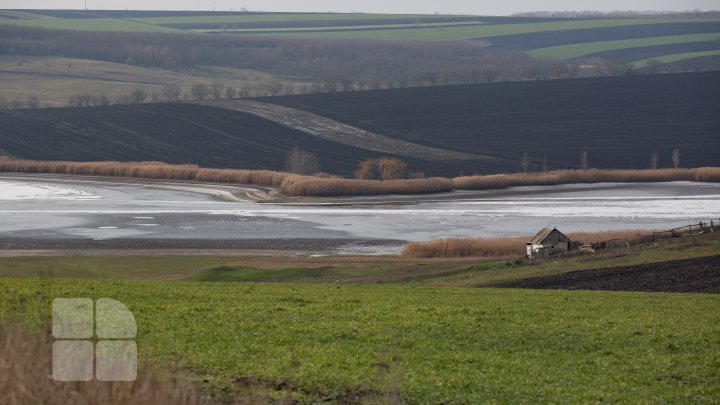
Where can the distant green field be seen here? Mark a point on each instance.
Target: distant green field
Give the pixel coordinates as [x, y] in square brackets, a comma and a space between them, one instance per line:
[421, 344]
[441, 32]
[676, 57]
[91, 24]
[573, 51]
[275, 17]
[340, 27]
[481, 31]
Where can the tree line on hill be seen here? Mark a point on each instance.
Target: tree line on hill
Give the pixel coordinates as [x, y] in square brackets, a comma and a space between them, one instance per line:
[616, 14]
[327, 65]
[344, 63]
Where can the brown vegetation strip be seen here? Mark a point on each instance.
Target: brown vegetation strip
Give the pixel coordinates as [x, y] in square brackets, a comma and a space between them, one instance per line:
[692, 275]
[25, 364]
[501, 247]
[498, 181]
[312, 186]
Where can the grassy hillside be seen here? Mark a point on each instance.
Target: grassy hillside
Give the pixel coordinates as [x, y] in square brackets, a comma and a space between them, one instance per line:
[502, 33]
[618, 120]
[447, 272]
[54, 80]
[414, 344]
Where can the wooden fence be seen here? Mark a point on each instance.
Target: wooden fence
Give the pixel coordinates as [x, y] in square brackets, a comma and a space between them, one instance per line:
[691, 229]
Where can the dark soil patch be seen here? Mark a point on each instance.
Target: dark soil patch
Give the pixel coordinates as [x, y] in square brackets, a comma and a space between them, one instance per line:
[173, 133]
[692, 275]
[615, 119]
[535, 40]
[656, 51]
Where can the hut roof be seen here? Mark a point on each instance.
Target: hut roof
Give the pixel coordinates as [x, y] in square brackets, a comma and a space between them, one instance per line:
[544, 233]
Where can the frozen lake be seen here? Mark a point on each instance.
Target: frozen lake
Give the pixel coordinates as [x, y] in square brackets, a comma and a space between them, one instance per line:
[38, 211]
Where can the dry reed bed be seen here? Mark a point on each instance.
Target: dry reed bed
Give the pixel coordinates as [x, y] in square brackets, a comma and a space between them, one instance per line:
[497, 181]
[512, 246]
[324, 186]
[25, 378]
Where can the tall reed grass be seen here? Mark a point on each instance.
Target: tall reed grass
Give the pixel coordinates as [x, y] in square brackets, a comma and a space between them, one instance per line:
[324, 186]
[498, 181]
[512, 246]
[25, 378]
[291, 184]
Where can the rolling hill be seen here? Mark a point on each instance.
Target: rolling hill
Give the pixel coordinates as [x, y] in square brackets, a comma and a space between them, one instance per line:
[619, 121]
[175, 133]
[546, 37]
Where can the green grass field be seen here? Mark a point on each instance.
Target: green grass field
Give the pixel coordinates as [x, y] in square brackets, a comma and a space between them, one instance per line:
[337, 28]
[276, 17]
[91, 24]
[480, 31]
[676, 57]
[445, 32]
[577, 50]
[421, 344]
[55, 79]
[467, 272]
[285, 325]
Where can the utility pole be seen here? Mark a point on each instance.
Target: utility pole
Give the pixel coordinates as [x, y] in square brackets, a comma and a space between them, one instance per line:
[85, 5]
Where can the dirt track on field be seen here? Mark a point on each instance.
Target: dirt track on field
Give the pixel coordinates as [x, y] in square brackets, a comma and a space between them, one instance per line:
[335, 131]
[692, 275]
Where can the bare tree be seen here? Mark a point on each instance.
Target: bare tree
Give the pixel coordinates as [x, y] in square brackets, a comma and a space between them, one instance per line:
[273, 88]
[230, 92]
[17, 104]
[199, 91]
[33, 102]
[172, 92]
[245, 91]
[392, 169]
[653, 66]
[584, 162]
[654, 157]
[138, 96]
[104, 100]
[384, 168]
[367, 170]
[676, 158]
[289, 88]
[301, 162]
[525, 161]
[490, 75]
[122, 100]
[216, 90]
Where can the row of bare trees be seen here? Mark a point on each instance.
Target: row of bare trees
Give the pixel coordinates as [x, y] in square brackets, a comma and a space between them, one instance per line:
[31, 101]
[303, 162]
[655, 158]
[334, 63]
[615, 13]
[526, 160]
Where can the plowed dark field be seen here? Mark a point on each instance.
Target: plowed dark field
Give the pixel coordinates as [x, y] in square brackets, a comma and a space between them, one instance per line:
[647, 52]
[693, 275]
[535, 40]
[618, 120]
[172, 133]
